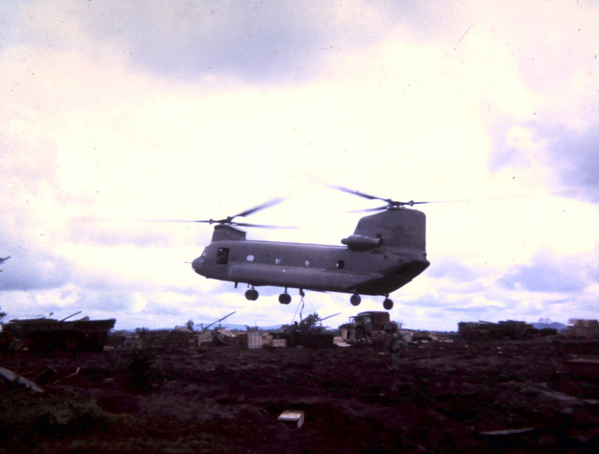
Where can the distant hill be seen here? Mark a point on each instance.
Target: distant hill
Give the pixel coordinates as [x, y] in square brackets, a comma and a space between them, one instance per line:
[555, 325]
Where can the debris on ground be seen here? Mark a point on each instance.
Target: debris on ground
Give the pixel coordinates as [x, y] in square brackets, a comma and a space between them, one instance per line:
[536, 395]
[19, 380]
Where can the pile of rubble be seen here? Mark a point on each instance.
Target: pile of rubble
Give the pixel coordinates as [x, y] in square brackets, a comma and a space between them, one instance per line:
[168, 340]
[260, 339]
[581, 328]
[184, 339]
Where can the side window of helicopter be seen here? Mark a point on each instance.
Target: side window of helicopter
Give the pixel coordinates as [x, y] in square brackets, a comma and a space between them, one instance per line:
[340, 264]
[250, 258]
[307, 262]
[222, 256]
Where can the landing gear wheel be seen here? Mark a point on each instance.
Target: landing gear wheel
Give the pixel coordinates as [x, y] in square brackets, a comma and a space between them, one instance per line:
[355, 300]
[388, 304]
[284, 298]
[251, 295]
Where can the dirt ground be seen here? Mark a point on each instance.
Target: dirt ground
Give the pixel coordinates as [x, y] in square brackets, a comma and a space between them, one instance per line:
[446, 397]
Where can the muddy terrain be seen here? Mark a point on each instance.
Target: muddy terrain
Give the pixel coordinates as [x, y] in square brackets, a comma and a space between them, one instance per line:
[494, 396]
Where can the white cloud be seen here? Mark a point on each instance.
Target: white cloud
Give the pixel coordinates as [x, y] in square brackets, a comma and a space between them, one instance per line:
[383, 104]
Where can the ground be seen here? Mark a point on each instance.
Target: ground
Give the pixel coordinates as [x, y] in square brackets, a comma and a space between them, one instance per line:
[446, 397]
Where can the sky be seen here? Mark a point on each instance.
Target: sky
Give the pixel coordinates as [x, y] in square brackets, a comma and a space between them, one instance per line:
[117, 112]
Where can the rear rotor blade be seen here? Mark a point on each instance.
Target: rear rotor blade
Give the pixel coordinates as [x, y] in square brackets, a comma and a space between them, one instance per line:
[358, 193]
[390, 202]
[369, 210]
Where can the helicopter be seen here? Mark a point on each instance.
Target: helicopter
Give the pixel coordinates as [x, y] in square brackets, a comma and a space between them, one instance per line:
[386, 251]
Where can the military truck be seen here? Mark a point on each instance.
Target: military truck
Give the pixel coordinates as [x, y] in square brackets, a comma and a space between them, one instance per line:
[507, 329]
[367, 325]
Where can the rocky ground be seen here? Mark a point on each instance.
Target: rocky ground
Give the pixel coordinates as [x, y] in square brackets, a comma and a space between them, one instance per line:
[497, 396]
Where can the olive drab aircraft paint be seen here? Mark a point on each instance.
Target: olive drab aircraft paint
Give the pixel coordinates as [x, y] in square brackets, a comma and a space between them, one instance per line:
[386, 251]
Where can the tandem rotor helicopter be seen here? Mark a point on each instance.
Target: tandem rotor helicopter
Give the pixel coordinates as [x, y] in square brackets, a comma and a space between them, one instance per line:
[386, 251]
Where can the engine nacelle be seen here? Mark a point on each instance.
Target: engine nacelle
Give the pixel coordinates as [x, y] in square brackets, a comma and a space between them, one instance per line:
[361, 242]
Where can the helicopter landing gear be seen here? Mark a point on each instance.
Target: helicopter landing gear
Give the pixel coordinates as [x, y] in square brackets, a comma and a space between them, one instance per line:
[285, 298]
[388, 304]
[355, 299]
[252, 294]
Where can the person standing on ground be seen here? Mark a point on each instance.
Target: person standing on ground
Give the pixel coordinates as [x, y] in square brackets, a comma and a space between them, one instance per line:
[395, 343]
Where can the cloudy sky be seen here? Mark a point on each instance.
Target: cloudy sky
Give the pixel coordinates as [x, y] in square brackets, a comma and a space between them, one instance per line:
[112, 112]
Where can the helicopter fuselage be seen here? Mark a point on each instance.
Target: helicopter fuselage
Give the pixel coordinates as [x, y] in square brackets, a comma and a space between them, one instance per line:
[386, 251]
[378, 271]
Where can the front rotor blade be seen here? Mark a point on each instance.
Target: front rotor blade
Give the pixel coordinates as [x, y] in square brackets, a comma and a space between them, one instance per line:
[258, 208]
[222, 222]
[204, 221]
[262, 226]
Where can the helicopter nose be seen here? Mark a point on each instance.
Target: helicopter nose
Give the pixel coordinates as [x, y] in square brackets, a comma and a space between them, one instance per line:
[197, 264]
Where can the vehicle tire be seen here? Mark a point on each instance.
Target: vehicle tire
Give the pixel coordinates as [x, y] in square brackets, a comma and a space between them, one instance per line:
[355, 300]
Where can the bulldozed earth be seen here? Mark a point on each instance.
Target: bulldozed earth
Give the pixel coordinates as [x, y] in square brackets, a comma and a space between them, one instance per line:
[471, 397]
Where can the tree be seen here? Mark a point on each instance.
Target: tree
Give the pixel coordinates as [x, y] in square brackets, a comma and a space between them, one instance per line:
[312, 321]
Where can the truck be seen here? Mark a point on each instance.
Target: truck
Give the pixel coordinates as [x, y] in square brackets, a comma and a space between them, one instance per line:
[367, 325]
